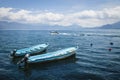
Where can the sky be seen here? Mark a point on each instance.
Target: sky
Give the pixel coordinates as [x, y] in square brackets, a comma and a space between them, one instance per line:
[65, 13]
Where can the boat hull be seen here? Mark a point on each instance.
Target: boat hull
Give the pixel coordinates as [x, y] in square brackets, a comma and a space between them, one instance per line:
[61, 54]
[31, 50]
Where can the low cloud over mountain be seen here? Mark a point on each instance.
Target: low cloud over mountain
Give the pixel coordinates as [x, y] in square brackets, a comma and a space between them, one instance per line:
[85, 19]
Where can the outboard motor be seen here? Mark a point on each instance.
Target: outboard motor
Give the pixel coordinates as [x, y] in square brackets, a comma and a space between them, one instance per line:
[13, 53]
[24, 60]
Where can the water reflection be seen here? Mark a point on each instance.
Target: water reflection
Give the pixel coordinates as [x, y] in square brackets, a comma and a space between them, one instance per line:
[28, 69]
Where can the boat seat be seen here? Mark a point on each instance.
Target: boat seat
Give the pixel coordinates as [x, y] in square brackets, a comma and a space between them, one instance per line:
[40, 47]
[36, 49]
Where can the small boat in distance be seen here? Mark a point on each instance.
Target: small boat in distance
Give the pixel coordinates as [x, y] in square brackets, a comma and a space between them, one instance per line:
[54, 32]
[57, 55]
[31, 50]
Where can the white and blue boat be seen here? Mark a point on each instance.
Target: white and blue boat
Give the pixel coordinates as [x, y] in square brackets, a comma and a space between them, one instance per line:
[60, 54]
[31, 50]
[54, 33]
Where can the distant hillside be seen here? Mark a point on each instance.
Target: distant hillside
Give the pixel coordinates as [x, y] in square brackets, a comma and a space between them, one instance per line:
[111, 26]
[19, 26]
[11, 25]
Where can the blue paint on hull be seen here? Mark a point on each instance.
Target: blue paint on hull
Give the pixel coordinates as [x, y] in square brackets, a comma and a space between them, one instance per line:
[60, 54]
[31, 50]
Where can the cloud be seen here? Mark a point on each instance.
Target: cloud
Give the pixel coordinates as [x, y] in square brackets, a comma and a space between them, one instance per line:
[85, 18]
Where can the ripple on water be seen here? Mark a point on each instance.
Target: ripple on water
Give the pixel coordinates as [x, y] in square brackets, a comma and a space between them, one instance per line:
[92, 63]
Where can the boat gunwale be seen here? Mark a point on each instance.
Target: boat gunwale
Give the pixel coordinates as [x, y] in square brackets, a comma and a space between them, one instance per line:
[52, 54]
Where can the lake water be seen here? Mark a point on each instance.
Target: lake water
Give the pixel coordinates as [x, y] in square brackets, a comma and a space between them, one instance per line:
[90, 63]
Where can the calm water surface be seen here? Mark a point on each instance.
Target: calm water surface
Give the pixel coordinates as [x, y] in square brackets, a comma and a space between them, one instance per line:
[90, 63]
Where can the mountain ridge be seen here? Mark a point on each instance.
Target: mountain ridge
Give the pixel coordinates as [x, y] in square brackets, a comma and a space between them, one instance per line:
[4, 25]
[111, 26]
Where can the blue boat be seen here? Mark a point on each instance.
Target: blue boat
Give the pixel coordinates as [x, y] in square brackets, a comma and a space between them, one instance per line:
[60, 54]
[31, 50]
